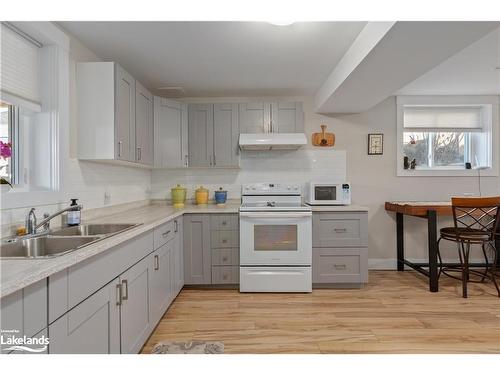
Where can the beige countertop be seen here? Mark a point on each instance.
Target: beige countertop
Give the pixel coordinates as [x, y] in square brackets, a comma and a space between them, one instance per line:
[16, 274]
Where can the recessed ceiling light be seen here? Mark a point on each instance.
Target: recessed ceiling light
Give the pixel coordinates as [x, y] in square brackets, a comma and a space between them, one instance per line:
[282, 23]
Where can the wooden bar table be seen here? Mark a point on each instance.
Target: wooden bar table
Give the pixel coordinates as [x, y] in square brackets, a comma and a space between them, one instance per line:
[428, 211]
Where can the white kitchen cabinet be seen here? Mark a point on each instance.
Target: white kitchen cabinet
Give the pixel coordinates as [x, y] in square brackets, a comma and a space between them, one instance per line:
[160, 283]
[107, 100]
[200, 135]
[177, 264]
[170, 133]
[213, 135]
[143, 125]
[271, 117]
[24, 313]
[254, 117]
[135, 319]
[92, 327]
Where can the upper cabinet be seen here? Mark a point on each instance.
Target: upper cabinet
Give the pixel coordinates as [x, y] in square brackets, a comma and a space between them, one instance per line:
[143, 125]
[108, 126]
[170, 133]
[213, 135]
[271, 117]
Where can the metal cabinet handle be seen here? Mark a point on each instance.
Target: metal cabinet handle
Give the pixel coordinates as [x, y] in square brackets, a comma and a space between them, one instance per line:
[120, 144]
[224, 277]
[125, 295]
[166, 233]
[224, 240]
[157, 262]
[271, 126]
[224, 222]
[224, 259]
[176, 226]
[340, 230]
[119, 294]
[339, 266]
[186, 160]
[139, 153]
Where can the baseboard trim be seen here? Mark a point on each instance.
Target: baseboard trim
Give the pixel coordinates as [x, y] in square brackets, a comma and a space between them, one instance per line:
[390, 264]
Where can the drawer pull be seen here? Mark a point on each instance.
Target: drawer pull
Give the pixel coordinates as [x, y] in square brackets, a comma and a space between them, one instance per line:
[157, 262]
[224, 259]
[340, 230]
[166, 233]
[224, 222]
[224, 277]
[119, 293]
[339, 266]
[176, 227]
[224, 240]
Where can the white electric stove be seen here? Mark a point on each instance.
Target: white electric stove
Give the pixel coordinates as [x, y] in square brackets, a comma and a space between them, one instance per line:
[275, 239]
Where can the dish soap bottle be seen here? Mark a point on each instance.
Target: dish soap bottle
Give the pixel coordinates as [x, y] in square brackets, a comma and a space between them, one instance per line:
[74, 216]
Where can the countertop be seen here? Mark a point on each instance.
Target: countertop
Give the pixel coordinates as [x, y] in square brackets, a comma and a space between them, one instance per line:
[16, 274]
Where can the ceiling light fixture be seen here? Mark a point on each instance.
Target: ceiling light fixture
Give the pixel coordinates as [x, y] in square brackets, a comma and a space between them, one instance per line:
[282, 23]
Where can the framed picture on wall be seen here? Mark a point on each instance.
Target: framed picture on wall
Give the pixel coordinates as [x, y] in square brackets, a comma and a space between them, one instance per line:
[375, 144]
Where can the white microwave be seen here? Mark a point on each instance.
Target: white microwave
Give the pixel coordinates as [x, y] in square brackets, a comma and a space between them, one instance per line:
[328, 194]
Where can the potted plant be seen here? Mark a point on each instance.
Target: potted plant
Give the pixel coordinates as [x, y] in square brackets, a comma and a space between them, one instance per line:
[5, 153]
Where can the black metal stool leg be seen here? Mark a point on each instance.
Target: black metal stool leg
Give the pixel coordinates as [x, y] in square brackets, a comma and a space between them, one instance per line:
[486, 262]
[493, 269]
[440, 260]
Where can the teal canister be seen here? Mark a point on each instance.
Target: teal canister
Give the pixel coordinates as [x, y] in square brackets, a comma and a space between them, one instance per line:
[220, 197]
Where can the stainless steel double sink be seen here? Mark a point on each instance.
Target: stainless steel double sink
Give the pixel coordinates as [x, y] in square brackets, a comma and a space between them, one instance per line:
[59, 242]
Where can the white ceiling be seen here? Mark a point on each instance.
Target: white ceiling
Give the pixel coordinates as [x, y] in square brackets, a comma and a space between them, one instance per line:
[469, 72]
[222, 58]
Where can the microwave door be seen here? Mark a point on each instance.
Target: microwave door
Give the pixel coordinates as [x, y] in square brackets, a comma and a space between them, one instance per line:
[325, 193]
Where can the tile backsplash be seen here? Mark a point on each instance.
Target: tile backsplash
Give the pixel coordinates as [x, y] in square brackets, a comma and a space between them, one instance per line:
[269, 166]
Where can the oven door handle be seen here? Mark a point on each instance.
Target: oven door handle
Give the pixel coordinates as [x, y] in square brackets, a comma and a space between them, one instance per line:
[272, 215]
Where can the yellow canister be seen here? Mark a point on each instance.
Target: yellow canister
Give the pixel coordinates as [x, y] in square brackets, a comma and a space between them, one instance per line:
[178, 196]
[201, 195]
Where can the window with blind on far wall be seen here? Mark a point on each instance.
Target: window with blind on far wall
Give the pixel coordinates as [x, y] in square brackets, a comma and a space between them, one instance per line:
[446, 136]
[19, 102]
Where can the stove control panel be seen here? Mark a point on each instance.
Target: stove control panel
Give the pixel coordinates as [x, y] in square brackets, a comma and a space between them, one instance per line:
[271, 189]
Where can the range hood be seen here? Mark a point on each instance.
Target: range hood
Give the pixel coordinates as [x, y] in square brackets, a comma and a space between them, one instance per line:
[272, 141]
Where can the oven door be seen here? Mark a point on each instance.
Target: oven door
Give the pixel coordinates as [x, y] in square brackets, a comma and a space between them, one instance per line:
[275, 238]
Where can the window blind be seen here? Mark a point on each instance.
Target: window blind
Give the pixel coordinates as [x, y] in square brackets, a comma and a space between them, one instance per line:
[442, 118]
[18, 66]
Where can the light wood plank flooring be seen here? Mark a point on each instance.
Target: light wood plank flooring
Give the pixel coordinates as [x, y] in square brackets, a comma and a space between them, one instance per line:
[394, 314]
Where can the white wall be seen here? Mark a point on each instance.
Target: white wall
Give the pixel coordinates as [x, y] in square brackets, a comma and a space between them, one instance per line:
[85, 180]
[373, 178]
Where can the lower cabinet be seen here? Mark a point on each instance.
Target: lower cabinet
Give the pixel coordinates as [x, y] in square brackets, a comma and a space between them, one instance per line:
[197, 257]
[135, 319]
[340, 265]
[177, 264]
[160, 283]
[92, 327]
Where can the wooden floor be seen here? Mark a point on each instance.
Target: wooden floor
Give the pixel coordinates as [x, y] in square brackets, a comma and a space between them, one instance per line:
[394, 314]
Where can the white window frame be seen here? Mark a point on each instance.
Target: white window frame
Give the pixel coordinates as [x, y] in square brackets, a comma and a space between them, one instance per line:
[492, 134]
[54, 87]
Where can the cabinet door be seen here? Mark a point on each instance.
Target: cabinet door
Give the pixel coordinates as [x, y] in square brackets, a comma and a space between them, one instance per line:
[143, 125]
[201, 137]
[197, 259]
[135, 320]
[177, 264]
[287, 117]
[254, 117]
[92, 327]
[124, 115]
[170, 133]
[160, 282]
[226, 133]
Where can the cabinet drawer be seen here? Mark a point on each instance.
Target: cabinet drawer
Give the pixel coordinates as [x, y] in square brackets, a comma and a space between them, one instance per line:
[224, 222]
[225, 274]
[164, 233]
[340, 229]
[224, 239]
[226, 257]
[335, 265]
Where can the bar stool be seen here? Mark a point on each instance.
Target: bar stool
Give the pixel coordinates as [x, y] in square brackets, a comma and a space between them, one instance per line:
[476, 221]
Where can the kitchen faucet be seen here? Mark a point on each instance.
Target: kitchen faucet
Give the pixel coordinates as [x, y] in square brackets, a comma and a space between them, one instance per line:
[31, 222]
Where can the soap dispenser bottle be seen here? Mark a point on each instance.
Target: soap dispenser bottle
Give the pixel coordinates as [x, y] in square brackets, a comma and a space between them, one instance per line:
[74, 216]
